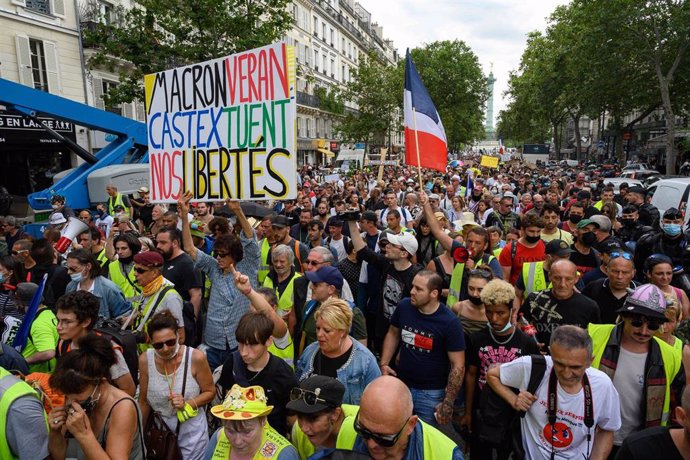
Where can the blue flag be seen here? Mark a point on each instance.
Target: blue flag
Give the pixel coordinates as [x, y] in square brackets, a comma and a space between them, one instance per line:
[23, 332]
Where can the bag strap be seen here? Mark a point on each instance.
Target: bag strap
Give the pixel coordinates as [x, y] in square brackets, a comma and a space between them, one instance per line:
[140, 427]
[536, 375]
[187, 352]
[152, 310]
[552, 407]
[513, 251]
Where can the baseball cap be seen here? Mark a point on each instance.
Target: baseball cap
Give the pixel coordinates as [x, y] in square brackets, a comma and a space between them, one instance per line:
[584, 222]
[280, 222]
[434, 196]
[143, 190]
[328, 274]
[316, 393]
[25, 292]
[558, 248]
[610, 245]
[647, 300]
[406, 240]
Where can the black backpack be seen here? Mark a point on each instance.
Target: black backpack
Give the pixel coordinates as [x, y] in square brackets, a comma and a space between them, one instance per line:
[497, 419]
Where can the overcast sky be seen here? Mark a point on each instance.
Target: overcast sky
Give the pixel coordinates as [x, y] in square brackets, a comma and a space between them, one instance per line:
[495, 30]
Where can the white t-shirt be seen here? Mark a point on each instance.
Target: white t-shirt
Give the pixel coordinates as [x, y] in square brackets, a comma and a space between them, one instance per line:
[629, 382]
[570, 438]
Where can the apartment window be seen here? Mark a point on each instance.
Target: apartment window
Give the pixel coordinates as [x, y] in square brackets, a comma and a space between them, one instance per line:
[107, 12]
[40, 6]
[38, 64]
[332, 68]
[332, 37]
[106, 87]
[323, 31]
[325, 64]
[300, 126]
[342, 48]
[316, 59]
[316, 26]
[342, 73]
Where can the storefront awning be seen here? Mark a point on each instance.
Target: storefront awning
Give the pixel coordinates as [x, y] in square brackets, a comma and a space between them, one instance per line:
[328, 153]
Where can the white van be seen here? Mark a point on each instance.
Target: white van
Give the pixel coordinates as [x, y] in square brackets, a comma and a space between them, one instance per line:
[671, 193]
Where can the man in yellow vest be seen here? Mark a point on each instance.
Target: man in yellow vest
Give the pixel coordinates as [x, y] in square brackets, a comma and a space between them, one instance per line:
[265, 232]
[647, 372]
[282, 277]
[23, 426]
[386, 428]
[117, 199]
[535, 275]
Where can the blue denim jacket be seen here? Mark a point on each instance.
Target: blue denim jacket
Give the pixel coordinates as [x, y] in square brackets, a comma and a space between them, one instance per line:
[112, 301]
[355, 374]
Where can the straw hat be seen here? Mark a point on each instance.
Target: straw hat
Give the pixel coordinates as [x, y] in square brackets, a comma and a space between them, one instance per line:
[467, 218]
[243, 404]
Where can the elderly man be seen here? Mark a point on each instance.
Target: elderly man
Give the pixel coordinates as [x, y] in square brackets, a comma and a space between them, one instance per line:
[560, 304]
[281, 235]
[561, 420]
[242, 253]
[647, 372]
[117, 199]
[385, 427]
[611, 292]
[281, 278]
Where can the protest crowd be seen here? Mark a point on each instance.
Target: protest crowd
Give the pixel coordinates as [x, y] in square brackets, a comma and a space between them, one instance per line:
[508, 312]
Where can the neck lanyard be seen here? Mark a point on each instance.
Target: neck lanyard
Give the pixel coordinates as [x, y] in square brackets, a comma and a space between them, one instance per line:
[552, 403]
[168, 380]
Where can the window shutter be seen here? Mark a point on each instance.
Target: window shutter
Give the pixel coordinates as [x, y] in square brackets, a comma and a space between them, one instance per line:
[52, 68]
[98, 93]
[127, 110]
[26, 76]
[58, 8]
[141, 111]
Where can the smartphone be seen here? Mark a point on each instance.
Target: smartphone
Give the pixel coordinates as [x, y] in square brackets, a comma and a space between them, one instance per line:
[116, 220]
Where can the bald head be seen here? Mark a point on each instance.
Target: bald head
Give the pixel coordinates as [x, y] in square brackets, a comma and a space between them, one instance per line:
[564, 266]
[563, 276]
[386, 401]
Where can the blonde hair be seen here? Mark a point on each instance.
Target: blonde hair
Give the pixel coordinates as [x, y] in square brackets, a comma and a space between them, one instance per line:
[498, 292]
[673, 311]
[336, 313]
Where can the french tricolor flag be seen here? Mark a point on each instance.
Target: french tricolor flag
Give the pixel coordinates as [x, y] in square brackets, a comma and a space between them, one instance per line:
[423, 127]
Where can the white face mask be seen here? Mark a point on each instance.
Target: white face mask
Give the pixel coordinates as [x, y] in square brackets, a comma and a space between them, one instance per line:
[177, 349]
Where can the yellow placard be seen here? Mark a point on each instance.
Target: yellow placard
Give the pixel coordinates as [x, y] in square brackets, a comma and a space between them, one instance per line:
[489, 162]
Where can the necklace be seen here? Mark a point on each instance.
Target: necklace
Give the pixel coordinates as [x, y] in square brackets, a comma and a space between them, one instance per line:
[491, 333]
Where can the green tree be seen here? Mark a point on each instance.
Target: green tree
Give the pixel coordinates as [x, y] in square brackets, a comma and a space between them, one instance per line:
[455, 81]
[376, 90]
[156, 35]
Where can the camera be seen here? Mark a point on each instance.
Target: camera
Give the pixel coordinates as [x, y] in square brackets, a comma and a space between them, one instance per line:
[350, 215]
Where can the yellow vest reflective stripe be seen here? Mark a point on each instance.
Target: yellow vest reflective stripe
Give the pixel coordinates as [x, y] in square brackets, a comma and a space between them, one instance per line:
[287, 354]
[671, 357]
[263, 264]
[497, 252]
[455, 284]
[112, 204]
[11, 388]
[533, 277]
[116, 276]
[272, 443]
[285, 301]
[304, 447]
[102, 258]
[599, 204]
[436, 445]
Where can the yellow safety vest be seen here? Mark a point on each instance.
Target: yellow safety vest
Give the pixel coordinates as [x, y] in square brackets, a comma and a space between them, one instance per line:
[272, 443]
[287, 354]
[264, 268]
[436, 445]
[113, 203]
[129, 288]
[455, 284]
[304, 447]
[102, 258]
[285, 301]
[497, 252]
[671, 357]
[136, 323]
[534, 278]
[11, 388]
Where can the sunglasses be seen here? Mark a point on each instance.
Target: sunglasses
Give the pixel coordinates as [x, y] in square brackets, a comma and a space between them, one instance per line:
[309, 397]
[167, 343]
[313, 263]
[652, 324]
[222, 254]
[480, 273]
[16, 253]
[140, 270]
[625, 255]
[383, 440]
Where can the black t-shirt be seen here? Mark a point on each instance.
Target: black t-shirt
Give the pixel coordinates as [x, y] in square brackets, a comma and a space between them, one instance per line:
[600, 292]
[546, 312]
[329, 366]
[584, 262]
[277, 379]
[650, 444]
[145, 213]
[483, 352]
[181, 272]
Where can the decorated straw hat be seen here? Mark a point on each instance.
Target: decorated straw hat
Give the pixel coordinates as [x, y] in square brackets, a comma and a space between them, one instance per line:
[243, 404]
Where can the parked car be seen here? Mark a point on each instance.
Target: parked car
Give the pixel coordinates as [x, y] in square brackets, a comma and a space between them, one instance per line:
[636, 167]
[617, 181]
[639, 174]
[655, 178]
[671, 193]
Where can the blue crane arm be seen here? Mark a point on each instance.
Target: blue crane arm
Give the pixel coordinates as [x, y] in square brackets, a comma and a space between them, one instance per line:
[129, 144]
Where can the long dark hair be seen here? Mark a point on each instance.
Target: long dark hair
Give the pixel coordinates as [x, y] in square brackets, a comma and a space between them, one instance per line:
[84, 366]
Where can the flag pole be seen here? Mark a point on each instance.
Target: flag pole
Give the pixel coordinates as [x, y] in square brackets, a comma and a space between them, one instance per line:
[416, 141]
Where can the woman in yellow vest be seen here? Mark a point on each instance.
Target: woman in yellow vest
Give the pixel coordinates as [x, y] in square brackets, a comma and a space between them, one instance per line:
[318, 403]
[245, 433]
[121, 250]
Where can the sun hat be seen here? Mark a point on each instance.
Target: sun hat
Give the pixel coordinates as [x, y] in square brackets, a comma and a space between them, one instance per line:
[646, 300]
[243, 404]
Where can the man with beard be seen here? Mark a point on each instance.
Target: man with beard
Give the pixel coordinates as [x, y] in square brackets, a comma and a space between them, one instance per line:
[323, 214]
[179, 267]
[504, 218]
[300, 230]
[584, 256]
[204, 214]
[477, 195]
[670, 241]
[550, 214]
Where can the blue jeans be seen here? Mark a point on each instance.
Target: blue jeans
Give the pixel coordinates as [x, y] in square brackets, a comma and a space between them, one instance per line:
[425, 402]
[217, 357]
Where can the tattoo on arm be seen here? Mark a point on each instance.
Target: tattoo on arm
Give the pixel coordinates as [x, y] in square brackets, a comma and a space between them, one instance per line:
[455, 379]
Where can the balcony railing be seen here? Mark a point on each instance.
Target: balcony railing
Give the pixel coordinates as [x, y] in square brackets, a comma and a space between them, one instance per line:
[308, 99]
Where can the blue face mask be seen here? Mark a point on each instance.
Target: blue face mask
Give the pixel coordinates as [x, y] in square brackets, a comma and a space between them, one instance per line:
[76, 277]
[672, 229]
[505, 328]
[3, 278]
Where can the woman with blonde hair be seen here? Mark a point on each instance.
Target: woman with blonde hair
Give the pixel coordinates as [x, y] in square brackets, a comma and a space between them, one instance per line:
[336, 353]
[674, 316]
